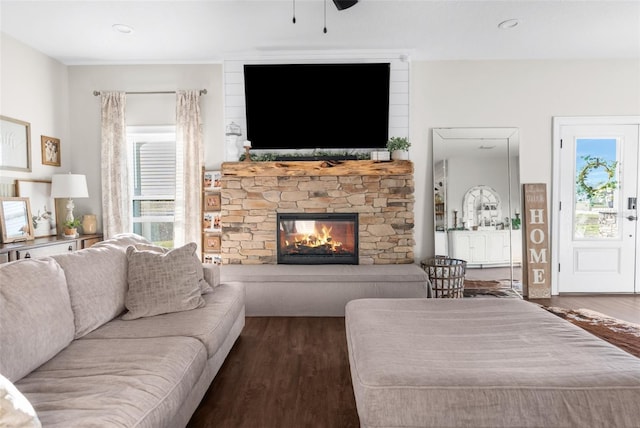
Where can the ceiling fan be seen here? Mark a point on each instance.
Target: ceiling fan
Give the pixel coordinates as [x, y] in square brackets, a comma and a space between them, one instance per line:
[340, 5]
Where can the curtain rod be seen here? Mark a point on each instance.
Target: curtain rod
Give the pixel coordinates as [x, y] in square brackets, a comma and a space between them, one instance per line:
[202, 92]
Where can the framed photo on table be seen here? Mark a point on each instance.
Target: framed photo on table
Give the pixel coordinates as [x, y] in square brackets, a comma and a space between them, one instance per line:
[15, 220]
[43, 206]
[15, 138]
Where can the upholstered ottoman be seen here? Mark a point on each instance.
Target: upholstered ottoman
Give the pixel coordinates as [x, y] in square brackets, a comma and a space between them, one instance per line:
[484, 363]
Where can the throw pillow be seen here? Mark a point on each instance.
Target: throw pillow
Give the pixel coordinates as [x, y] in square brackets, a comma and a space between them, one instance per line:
[160, 283]
[15, 409]
[205, 287]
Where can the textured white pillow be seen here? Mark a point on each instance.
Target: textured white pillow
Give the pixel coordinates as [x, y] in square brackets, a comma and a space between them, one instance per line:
[205, 287]
[160, 283]
[15, 409]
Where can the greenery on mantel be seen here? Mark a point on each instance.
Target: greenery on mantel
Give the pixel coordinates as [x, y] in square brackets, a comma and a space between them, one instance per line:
[270, 157]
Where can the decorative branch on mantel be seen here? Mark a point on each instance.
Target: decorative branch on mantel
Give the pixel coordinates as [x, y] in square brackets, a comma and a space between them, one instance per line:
[314, 168]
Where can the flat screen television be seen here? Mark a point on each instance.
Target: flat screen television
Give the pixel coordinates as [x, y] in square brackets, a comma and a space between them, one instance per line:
[317, 106]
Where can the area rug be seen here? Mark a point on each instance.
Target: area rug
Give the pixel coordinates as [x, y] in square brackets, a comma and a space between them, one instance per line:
[478, 288]
[624, 335]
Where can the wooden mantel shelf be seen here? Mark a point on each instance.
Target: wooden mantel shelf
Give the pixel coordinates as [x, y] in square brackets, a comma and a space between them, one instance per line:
[315, 168]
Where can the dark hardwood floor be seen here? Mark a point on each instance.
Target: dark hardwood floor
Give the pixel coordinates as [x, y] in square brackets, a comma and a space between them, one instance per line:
[283, 372]
[294, 372]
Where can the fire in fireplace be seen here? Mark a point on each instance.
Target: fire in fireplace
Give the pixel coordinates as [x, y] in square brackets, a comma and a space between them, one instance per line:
[317, 238]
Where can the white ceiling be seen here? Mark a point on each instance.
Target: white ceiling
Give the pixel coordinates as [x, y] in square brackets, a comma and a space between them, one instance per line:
[80, 31]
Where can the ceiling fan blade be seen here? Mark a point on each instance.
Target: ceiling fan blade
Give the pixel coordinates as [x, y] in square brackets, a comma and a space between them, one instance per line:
[344, 4]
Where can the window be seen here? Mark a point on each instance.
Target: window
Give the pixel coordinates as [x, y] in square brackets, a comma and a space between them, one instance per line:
[153, 157]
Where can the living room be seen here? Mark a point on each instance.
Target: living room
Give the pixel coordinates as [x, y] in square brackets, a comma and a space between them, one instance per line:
[510, 80]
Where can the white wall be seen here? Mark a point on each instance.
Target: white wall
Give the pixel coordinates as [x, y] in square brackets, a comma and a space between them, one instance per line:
[58, 101]
[34, 89]
[141, 110]
[522, 94]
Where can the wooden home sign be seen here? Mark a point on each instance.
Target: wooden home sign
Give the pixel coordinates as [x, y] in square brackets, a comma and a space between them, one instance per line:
[536, 228]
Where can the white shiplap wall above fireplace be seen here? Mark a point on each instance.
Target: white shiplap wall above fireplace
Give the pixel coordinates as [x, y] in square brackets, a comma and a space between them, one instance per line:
[234, 104]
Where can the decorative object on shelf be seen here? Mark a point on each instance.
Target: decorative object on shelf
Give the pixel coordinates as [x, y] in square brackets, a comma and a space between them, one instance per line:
[71, 228]
[247, 150]
[232, 133]
[16, 144]
[15, 220]
[399, 148]
[50, 150]
[212, 259]
[89, 224]
[69, 186]
[380, 156]
[42, 204]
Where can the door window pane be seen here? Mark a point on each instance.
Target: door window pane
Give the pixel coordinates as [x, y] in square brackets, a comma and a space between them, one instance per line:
[596, 189]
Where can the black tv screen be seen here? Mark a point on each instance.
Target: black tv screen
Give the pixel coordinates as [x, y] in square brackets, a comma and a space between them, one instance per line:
[317, 106]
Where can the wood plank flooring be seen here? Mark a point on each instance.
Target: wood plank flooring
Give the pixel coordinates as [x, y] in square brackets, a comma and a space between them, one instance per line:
[294, 372]
[283, 372]
[625, 307]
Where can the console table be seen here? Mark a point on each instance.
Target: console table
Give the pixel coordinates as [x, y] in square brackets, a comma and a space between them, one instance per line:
[46, 246]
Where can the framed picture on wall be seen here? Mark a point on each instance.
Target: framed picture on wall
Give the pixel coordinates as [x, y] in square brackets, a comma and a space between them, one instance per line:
[213, 259]
[211, 222]
[50, 150]
[211, 242]
[211, 180]
[211, 202]
[15, 137]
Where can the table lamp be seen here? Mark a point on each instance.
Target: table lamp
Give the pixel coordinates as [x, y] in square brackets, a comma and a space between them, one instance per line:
[69, 186]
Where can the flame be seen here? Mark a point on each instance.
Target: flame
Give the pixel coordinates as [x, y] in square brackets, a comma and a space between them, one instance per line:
[311, 237]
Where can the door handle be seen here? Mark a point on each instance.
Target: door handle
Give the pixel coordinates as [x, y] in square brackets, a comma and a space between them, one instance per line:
[632, 218]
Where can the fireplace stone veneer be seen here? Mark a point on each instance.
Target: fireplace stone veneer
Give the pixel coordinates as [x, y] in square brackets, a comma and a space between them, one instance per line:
[381, 193]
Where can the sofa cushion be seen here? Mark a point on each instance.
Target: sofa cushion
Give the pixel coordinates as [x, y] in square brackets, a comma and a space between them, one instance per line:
[204, 284]
[109, 383]
[209, 324]
[36, 320]
[15, 409]
[161, 283]
[97, 281]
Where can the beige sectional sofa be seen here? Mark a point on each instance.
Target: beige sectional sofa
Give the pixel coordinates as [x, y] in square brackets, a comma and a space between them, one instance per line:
[65, 343]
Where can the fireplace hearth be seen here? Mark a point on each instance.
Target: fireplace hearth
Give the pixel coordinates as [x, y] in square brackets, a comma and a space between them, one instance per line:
[317, 238]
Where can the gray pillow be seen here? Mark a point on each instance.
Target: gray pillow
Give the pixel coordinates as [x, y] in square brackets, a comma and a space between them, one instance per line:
[205, 287]
[160, 283]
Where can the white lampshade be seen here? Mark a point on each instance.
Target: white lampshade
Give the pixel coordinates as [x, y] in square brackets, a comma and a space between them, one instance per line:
[69, 186]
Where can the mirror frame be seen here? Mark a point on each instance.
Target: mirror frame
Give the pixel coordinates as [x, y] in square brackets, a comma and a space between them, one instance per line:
[440, 137]
[6, 237]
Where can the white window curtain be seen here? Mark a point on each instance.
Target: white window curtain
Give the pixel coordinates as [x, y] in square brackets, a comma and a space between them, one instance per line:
[116, 201]
[189, 161]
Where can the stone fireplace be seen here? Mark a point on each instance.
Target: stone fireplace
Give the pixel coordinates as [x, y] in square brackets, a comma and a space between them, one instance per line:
[317, 238]
[255, 193]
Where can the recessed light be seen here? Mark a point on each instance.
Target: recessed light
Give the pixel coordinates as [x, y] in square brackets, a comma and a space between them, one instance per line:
[509, 23]
[122, 28]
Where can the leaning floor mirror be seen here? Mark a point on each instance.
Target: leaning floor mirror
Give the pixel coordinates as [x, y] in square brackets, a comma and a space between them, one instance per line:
[476, 198]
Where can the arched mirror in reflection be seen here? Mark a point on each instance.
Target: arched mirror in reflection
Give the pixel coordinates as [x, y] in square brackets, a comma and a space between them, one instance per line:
[476, 197]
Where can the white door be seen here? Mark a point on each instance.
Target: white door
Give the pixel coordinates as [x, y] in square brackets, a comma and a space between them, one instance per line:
[597, 217]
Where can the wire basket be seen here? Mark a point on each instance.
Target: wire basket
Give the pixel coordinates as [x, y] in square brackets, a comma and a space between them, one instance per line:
[446, 276]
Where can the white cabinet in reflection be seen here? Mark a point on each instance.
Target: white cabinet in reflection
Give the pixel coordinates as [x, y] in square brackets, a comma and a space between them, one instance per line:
[486, 247]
